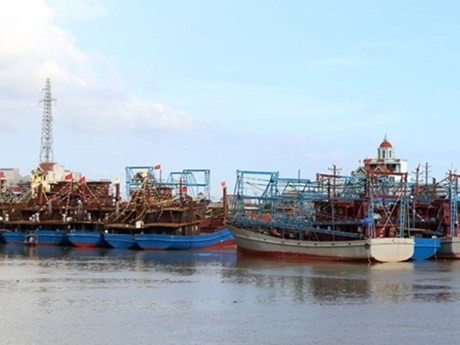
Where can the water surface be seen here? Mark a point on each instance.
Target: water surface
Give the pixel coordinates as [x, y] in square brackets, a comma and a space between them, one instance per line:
[53, 295]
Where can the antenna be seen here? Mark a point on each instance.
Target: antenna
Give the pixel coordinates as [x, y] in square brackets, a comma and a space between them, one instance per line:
[46, 150]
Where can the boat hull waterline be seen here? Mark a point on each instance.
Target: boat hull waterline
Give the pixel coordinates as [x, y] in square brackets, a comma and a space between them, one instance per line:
[86, 239]
[216, 240]
[373, 250]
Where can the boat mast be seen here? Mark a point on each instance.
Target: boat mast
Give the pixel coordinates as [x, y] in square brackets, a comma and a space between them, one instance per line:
[453, 203]
[403, 205]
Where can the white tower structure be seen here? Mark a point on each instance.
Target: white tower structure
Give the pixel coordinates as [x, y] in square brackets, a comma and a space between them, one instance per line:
[46, 151]
[386, 160]
[385, 152]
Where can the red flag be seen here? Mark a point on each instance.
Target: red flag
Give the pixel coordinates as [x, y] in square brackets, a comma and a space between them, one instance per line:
[157, 167]
[183, 189]
[223, 184]
[2, 174]
[68, 177]
[82, 179]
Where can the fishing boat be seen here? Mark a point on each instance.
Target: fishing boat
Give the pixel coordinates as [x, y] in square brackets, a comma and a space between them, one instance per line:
[177, 225]
[15, 219]
[167, 236]
[8, 200]
[435, 214]
[366, 250]
[326, 219]
[450, 243]
[165, 216]
[61, 213]
[98, 202]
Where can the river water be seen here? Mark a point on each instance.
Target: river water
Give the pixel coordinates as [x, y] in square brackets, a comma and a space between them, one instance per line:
[53, 295]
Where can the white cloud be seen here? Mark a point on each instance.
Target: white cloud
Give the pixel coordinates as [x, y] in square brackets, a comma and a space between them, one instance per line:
[129, 114]
[89, 86]
[34, 48]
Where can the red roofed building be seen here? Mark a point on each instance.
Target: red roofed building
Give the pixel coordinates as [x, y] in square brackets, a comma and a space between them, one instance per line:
[50, 172]
[385, 150]
[47, 166]
[385, 162]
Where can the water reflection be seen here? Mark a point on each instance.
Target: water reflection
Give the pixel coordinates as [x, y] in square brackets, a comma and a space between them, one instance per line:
[182, 262]
[345, 283]
[272, 280]
[185, 263]
[20, 250]
[323, 282]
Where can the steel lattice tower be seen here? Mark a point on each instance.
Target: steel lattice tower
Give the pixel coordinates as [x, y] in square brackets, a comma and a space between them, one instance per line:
[46, 151]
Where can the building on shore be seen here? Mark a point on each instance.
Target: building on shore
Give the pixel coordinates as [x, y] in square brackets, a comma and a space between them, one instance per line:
[12, 184]
[386, 162]
[50, 172]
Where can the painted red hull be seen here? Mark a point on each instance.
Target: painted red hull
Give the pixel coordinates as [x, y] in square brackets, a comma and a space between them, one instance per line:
[222, 245]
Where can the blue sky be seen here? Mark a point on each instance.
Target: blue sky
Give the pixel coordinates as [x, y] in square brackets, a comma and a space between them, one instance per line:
[283, 86]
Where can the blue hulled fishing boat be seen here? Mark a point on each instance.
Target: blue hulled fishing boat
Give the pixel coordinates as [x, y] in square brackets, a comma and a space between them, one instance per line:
[61, 213]
[164, 216]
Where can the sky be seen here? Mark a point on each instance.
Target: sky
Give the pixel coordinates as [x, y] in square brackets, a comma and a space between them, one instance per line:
[294, 86]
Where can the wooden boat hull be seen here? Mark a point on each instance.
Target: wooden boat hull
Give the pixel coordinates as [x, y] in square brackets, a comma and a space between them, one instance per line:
[450, 248]
[376, 249]
[218, 239]
[426, 248]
